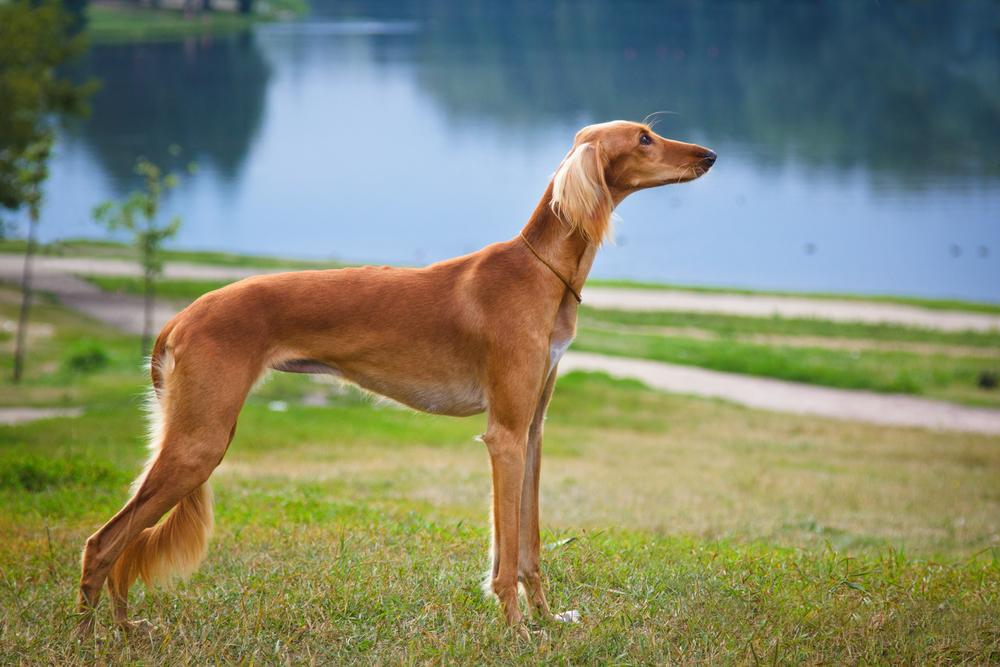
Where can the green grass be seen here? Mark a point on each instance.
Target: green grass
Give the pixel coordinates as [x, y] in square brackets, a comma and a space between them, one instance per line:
[112, 22]
[106, 23]
[115, 250]
[178, 290]
[934, 304]
[685, 531]
[848, 356]
[735, 326]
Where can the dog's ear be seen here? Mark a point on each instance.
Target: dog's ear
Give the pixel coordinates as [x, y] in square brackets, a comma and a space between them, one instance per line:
[580, 195]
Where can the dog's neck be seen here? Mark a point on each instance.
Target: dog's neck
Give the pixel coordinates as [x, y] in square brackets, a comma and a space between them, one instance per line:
[568, 251]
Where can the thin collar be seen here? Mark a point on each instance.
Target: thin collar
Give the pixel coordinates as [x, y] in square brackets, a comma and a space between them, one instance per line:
[576, 295]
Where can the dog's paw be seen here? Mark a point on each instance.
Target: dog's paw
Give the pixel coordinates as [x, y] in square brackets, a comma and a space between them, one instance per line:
[140, 625]
[571, 616]
[85, 628]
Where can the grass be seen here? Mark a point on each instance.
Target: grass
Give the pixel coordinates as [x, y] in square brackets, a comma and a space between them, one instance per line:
[848, 356]
[113, 22]
[685, 531]
[933, 304]
[114, 250]
[177, 290]
[735, 326]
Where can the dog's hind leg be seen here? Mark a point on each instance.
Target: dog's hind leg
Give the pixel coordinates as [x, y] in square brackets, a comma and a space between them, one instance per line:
[199, 421]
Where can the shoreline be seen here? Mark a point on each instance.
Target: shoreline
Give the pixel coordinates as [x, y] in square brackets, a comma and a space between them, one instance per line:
[116, 22]
[102, 249]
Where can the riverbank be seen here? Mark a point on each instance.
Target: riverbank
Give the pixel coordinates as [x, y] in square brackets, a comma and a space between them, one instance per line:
[121, 22]
[90, 248]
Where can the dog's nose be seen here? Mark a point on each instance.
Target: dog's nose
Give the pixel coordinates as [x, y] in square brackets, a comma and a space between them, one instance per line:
[708, 157]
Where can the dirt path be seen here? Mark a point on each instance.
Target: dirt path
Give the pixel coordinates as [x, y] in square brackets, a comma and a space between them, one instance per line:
[22, 415]
[751, 305]
[125, 312]
[597, 297]
[783, 396]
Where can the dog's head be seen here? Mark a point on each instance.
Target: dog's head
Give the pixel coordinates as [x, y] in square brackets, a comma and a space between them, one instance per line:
[612, 160]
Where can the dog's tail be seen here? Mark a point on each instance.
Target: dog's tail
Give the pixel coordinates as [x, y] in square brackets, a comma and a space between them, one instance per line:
[176, 546]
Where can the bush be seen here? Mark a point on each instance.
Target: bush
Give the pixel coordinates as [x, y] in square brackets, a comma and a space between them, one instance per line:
[85, 357]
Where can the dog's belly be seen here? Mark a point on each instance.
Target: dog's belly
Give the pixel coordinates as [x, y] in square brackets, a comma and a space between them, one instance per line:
[455, 398]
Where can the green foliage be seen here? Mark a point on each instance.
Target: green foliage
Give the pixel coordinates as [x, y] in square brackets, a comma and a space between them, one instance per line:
[119, 22]
[36, 473]
[85, 356]
[34, 43]
[32, 171]
[124, 23]
[137, 215]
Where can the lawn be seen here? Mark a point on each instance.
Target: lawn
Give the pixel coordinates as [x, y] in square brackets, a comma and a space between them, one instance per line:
[347, 530]
[934, 304]
[114, 250]
[929, 369]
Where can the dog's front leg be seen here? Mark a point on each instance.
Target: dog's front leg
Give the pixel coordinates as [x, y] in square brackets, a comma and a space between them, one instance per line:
[507, 452]
[529, 558]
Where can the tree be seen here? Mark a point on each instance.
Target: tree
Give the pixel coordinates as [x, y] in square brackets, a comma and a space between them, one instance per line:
[137, 214]
[32, 173]
[35, 41]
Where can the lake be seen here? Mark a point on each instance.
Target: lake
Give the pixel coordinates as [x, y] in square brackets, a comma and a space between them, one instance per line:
[858, 142]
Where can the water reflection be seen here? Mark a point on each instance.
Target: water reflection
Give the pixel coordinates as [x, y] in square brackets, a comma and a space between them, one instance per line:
[910, 90]
[857, 141]
[204, 95]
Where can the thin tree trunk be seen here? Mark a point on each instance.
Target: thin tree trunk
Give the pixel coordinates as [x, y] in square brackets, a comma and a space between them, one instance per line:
[147, 324]
[26, 294]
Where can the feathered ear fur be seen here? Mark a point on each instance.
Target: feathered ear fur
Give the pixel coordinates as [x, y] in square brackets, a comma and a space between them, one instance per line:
[580, 195]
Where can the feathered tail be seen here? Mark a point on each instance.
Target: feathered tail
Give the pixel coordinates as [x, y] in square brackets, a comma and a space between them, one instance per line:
[174, 547]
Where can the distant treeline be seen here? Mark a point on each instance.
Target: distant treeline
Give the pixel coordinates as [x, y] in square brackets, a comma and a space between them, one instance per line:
[79, 7]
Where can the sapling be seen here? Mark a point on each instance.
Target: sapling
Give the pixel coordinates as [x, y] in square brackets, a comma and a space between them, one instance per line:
[138, 214]
[31, 174]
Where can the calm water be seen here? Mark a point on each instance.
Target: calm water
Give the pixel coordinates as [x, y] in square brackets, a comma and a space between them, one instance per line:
[859, 142]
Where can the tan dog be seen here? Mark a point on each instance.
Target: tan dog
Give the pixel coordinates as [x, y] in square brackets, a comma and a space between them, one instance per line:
[483, 332]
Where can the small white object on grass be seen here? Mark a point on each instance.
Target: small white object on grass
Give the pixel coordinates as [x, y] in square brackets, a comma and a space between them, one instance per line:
[571, 616]
[277, 406]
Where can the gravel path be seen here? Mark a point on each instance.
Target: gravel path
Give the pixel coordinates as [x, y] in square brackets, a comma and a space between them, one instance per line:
[125, 312]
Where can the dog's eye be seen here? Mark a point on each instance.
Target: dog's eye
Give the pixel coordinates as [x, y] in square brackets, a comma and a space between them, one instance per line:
[645, 140]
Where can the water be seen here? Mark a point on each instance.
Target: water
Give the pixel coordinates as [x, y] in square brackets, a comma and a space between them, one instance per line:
[858, 142]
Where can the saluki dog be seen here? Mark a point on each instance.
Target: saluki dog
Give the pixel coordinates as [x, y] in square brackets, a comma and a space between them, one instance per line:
[478, 333]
